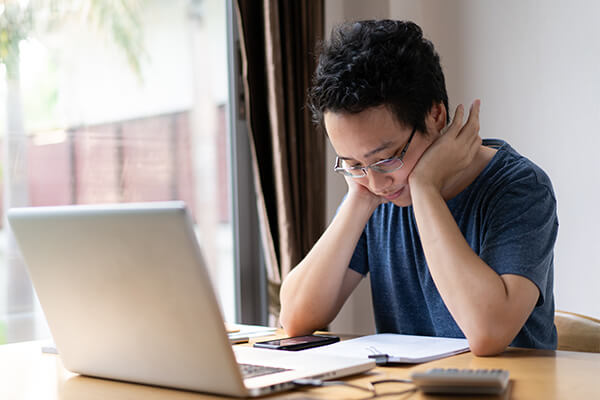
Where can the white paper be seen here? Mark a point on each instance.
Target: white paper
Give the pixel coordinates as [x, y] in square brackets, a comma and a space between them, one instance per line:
[250, 331]
[399, 348]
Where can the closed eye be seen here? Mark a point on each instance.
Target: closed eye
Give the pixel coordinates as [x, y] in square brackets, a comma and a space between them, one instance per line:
[387, 162]
[351, 164]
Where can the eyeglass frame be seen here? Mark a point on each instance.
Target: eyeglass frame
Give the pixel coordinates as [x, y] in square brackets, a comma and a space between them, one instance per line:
[344, 171]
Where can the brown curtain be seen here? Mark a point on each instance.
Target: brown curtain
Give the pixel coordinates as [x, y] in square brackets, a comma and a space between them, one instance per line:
[277, 41]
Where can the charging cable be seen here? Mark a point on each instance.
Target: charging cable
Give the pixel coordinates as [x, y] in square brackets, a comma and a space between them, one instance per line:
[371, 389]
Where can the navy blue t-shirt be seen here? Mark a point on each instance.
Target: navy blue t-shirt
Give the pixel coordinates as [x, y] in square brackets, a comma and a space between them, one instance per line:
[508, 217]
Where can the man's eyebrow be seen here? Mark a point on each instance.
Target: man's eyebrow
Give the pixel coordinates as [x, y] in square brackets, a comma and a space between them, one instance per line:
[384, 146]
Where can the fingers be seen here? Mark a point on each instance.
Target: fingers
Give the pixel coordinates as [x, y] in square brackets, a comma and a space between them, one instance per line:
[473, 120]
[456, 124]
[456, 127]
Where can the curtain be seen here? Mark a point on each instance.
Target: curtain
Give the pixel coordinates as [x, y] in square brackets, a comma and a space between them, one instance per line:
[277, 42]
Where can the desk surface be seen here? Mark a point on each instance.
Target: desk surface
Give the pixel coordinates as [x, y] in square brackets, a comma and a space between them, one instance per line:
[26, 373]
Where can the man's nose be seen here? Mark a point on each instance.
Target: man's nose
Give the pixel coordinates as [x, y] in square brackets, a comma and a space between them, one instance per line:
[378, 181]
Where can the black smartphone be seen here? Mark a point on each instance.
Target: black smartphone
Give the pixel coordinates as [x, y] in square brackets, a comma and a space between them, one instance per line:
[298, 342]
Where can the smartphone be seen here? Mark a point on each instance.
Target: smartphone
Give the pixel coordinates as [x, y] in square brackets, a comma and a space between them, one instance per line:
[298, 342]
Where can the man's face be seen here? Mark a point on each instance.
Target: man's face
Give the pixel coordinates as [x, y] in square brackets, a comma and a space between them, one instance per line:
[374, 135]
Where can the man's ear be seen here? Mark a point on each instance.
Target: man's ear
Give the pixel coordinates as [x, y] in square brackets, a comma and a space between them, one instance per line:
[436, 119]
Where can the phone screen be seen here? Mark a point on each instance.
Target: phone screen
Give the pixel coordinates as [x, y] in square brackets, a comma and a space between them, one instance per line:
[298, 342]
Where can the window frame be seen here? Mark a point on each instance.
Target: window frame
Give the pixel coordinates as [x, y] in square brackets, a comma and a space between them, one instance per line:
[249, 271]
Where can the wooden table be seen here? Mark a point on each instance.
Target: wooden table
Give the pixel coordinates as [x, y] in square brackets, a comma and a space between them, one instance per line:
[26, 373]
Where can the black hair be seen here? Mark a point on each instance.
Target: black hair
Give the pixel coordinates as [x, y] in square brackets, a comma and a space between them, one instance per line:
[378, 62]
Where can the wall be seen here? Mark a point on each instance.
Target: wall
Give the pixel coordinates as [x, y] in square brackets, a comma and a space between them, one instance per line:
[534, 66]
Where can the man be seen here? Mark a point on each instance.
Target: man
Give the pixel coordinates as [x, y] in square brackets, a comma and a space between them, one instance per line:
[457, 234]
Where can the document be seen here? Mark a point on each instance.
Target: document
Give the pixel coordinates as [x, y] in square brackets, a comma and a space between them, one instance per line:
[390, 348]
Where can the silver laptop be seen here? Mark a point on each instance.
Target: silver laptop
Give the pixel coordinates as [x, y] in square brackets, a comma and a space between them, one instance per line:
[127, 296]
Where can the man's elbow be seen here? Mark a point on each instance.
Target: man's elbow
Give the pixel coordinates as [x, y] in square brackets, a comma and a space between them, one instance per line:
[291, 316]
[293, 325]
[485, 345]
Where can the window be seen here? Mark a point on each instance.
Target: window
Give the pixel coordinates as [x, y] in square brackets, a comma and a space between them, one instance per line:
[86, 125]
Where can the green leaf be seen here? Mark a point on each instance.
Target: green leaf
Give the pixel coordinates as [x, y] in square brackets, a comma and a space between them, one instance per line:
[117, 20]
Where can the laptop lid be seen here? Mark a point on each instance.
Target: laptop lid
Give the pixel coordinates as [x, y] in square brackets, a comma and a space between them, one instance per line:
[127, 296]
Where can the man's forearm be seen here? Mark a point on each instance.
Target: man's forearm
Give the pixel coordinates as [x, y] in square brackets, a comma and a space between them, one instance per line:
[310, 295]
[476, 296]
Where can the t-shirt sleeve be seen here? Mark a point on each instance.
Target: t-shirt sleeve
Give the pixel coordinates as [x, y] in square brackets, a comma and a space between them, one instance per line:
[359, 261]
[521, 232]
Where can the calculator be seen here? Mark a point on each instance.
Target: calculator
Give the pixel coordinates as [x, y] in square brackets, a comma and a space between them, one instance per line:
[461, 381]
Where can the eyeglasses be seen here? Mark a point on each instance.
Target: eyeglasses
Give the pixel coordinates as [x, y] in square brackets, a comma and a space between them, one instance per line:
[384, 166]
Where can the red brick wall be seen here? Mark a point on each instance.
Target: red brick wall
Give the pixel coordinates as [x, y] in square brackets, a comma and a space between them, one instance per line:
[146, 159]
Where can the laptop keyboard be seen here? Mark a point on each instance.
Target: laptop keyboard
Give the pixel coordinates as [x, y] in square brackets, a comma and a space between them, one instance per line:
[251, 371]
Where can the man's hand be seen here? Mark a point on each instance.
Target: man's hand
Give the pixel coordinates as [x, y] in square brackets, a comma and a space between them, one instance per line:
[363, 194]
[451, 153]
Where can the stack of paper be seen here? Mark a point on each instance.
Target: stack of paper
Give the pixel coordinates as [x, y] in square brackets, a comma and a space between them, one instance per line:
[235, 331]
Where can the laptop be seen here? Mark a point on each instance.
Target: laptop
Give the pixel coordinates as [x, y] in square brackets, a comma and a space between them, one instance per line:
[127, 296]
